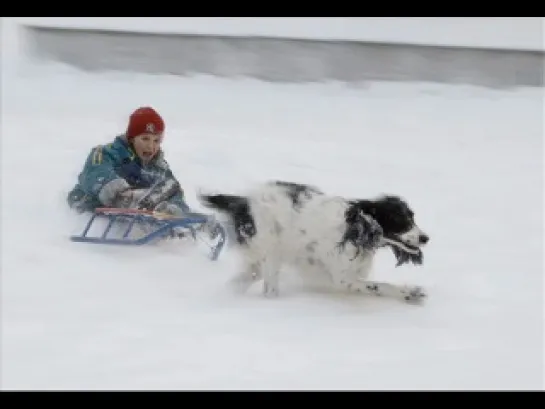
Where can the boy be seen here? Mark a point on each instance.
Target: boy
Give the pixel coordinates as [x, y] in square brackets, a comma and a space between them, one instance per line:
[120, 174]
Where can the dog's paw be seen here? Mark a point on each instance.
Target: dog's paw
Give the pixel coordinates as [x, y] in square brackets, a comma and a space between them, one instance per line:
[239, 285]
[413, 294]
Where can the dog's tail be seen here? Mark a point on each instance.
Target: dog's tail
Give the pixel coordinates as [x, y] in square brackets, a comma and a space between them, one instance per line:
[237, 208]
[224, 203]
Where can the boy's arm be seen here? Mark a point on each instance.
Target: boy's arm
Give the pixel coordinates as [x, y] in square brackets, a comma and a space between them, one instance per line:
[100, 179]
[178, 198]
[169, 190]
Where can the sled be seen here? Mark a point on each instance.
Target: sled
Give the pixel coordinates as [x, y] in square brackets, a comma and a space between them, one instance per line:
[158, 226]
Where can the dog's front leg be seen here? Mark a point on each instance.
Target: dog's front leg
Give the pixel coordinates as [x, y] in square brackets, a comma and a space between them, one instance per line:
[410, 294]
[407, 293]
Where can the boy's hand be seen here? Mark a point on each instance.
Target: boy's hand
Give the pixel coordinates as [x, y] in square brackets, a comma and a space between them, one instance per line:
[169, 208]
[160, 192]
[129, 198]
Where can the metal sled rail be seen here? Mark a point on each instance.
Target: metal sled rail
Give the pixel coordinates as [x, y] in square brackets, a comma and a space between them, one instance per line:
[162, 223]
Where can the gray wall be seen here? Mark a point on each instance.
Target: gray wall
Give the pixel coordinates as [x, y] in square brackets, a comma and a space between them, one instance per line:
[286, 60]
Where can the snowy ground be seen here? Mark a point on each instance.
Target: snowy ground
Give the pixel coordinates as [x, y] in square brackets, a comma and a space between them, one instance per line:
[469, 160]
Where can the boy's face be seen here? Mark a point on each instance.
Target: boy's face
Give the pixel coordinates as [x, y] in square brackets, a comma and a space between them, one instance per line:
[146, 146]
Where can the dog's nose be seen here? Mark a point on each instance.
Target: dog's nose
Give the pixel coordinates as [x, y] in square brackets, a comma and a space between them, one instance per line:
[423, 239]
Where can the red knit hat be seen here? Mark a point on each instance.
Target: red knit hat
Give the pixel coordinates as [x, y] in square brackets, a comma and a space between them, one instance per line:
[145, 120]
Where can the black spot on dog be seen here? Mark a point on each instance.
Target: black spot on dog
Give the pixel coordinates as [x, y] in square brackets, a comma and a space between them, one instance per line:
[298, 191]
[245, 228]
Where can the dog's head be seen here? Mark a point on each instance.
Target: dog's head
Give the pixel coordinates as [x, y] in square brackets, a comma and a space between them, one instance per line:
[399, 228]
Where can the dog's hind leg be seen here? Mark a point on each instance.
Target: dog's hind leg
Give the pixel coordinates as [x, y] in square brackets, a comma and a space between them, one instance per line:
[248, 276]
[271, 271]
[266, 268]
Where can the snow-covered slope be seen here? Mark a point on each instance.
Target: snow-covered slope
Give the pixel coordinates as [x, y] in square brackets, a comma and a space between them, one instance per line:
[78, 316]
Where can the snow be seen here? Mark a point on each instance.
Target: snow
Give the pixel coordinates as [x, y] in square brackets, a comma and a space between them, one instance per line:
[469, 160]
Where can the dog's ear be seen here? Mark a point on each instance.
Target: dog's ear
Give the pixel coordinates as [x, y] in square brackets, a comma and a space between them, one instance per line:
[352, 214]
[362, 230]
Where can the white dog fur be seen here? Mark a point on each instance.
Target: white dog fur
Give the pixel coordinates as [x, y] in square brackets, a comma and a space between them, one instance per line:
[282, 224]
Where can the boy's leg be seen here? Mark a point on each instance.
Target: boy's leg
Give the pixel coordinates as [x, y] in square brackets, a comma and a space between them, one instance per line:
[79, 201]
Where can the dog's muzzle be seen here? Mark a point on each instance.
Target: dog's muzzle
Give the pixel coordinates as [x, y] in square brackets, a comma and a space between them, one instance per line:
[407, 248]
[403, 257]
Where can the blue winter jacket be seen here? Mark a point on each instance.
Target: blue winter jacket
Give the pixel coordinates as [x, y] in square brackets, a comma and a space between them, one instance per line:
[112, 168]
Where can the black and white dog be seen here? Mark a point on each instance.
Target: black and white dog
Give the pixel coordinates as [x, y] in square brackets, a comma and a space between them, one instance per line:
[288, 224]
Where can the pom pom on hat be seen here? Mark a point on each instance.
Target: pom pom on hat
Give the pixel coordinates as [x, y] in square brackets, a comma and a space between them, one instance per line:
[145, 120]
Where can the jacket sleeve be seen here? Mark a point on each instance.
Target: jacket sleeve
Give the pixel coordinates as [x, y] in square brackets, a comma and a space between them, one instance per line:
[177, 199]
[99, 178]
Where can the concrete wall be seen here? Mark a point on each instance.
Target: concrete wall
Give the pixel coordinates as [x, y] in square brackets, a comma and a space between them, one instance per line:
[284, 59]
[506, 33]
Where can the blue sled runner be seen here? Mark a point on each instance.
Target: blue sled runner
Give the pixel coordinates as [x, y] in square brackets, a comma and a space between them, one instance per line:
[157, 226]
